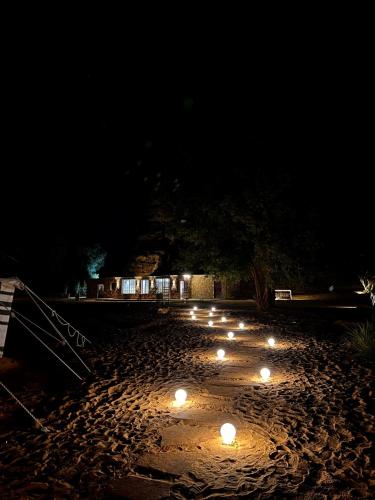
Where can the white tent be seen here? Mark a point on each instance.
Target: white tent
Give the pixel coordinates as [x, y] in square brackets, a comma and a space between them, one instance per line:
[55, 322]
[7, 289]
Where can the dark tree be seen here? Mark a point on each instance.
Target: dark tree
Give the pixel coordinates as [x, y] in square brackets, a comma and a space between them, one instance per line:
[244, 226]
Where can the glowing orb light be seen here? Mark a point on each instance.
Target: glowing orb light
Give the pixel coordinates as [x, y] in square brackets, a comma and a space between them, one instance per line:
[265, 374]
[228, 433]
[213, 308]
[210, 323]
[194, 317]
[220, 354]
[241, 325]
[230, 335]
[223, 319]
[180, 396]
[195, 308]
[191, 313]
[210, 314]
[271, 341]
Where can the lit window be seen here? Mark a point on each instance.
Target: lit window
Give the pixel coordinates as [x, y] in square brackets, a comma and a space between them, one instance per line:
[162, 285]
[145, 286]
[128, 286]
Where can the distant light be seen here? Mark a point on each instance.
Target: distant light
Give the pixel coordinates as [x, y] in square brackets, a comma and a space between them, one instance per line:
[194, 317]
[271, 341]
[210, 323]
[223, 319]
[241, 325]
[345, 307]
[230, 335]
[265, 374]
[191, 313]
[186, 276]
[228, 433]
[180, 396]
[195, 308]
[220, 354]
[210, 314]
[213, 308]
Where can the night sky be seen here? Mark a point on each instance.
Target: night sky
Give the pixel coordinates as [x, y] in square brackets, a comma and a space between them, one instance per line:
[91, 134]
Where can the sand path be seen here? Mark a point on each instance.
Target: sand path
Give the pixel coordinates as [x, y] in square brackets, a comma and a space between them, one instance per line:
[305, 433]
[291, 430]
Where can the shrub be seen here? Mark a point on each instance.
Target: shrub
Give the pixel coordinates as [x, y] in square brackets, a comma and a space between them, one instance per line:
[362, 338]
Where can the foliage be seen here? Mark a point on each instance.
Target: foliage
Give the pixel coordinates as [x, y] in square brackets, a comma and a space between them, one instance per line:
[362, 338]
[252, 232]
[95, 256]
[145, 264]
[368, 283]
[69, 263]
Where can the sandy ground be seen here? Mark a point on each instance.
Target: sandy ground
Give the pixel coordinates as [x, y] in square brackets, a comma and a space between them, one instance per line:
[305, 433]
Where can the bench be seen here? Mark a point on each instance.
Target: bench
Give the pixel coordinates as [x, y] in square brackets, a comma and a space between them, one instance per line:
[283, 294]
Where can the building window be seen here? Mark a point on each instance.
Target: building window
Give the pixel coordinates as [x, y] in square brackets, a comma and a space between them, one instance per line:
[145, 287]
[128, 286]
[162, 285]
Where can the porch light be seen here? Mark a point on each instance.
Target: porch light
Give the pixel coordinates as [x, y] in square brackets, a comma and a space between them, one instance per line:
[210, 323]
[223, 319]
[210, 314]
[191, 313]
[228, 433]
[213, 308]
[230, 335]
[271, 341]
[195, 308]
[241, 325]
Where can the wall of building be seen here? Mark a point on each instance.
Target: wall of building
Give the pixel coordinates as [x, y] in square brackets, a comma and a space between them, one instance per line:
[104, 288]
[198, 286]
[202, 287]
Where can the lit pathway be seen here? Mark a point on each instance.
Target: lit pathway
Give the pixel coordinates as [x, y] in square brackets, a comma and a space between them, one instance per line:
[302, 433]
[193, 456]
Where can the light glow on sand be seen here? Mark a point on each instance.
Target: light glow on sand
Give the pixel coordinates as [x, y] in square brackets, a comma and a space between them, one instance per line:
[230, 335]
[220, 354]
[241, 325]
[210, 323]
[271, 341]
[223, 319]
[345, 307]
[228, 433]
[180, 396]
[265, 374]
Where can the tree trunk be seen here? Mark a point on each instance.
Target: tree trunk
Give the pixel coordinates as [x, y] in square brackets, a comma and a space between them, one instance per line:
[263, 293]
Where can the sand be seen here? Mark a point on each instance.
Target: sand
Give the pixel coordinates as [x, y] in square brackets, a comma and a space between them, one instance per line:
[305, 433]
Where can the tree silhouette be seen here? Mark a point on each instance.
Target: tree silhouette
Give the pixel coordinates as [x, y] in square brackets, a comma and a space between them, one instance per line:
[250, 229]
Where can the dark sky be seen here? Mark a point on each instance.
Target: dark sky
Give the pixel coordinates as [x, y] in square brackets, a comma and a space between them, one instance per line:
[91, 131]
